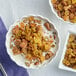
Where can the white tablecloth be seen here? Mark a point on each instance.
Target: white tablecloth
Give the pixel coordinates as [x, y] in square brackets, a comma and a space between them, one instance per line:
[10, 10]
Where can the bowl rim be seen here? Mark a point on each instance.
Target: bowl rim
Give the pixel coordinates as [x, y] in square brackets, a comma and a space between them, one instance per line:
[53, 10]
[54, 29]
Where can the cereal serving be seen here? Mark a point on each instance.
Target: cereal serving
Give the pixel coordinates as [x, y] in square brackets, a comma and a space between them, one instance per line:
[66, 9]
[70, 55]
[33, 42]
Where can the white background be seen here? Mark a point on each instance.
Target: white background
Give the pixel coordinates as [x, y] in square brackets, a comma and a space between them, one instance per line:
[10, 10]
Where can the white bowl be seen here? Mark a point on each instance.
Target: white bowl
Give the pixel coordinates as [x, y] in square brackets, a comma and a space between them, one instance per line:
[18, 59]
[61, 65]
[55, 12]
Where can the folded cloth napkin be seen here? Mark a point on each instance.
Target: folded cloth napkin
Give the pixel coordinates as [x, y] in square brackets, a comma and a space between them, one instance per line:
[10, 67]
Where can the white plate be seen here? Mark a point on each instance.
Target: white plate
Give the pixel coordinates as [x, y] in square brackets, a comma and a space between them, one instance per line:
[18, 59]
[61, 65]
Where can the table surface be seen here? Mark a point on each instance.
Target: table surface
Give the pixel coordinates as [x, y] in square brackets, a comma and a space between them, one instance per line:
[10, 10]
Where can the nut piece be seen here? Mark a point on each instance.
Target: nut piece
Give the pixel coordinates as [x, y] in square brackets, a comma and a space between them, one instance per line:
[36, 63]
[47, 25]
[23, 44]
[17, 42]
[16, 51]
[48, 55]
[15, 30]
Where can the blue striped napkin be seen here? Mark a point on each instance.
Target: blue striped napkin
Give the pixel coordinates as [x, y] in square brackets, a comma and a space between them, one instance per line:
[10, 67]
